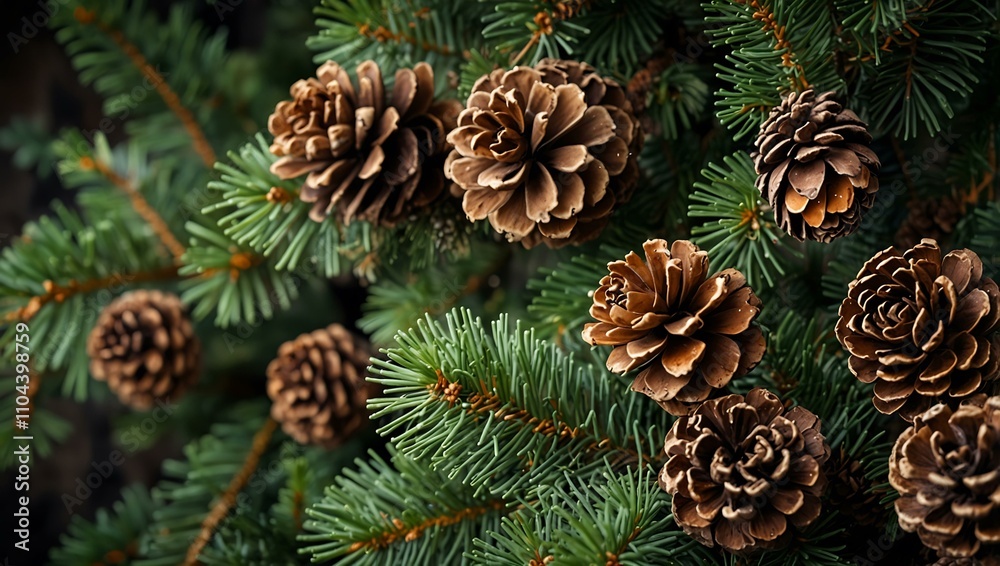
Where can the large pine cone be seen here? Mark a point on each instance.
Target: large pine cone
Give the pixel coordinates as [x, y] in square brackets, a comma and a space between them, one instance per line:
[369, 156]
[546, 153]
[946, 468]
[815, 168]
[145, 347]
[743, 472]
[921, 328]
[318, 388]
[692, 332]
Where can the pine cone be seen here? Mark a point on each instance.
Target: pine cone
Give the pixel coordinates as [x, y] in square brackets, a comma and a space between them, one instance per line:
[744, 473]
[546, 153]
[692, 332]
[946, 468]
[145, 347]
[921, 328]
[369, 156]
[318, 388]
[815, 168]
[929, 218]
[850, 492]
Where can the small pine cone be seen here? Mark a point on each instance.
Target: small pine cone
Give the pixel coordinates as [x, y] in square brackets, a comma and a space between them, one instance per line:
[921, 328]
[370, 155]
[692, 332]
[815, 168]
[145, 348]
[929, 218]
[946, 468]
[318, 388]
[850, 491]
[745, 473]
[545, 153]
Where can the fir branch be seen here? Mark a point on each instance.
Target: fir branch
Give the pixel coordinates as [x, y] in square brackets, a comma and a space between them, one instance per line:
[170, 98]
[769, 25]
[488, 406]
[221, 508]
[59, 293]
[404, 513]
[113, 537]
[139, 203]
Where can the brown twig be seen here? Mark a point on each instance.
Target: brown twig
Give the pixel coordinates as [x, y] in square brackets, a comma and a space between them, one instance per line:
[139, 203]
[765, 15]
[383, 34]
[59, 293]
[481, 404]
[400, 531]
[201, 145]
[228, 499]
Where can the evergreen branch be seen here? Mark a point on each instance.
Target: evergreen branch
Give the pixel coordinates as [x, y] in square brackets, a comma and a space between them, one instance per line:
[401, 531]
[221, 508]
[57, 293]
[488, 407]
[383, 34]
[113, 537]
[193, 490]
[482, 406]
[404, 513]
[139, 203]
[739, 230]
[170, 98]
[769, 24]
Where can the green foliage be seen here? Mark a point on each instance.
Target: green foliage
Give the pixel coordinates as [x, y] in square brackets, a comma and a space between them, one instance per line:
[111, 536]
[63, 248]
[28, 139]
[397, 34]
[625, 516]
[563, 294]
[178, 53]
[918, 63]
[740, 231]
[278, 229]
[756, 72]
[678, 99]
[190, 487]
[399, 513]
[509, 424]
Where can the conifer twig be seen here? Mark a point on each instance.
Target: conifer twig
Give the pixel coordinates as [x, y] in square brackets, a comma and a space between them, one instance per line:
[481, 404]
[400, 531]
[765, 15]
[139, 203]
[59, 293]
[170, 98]
[228, 499]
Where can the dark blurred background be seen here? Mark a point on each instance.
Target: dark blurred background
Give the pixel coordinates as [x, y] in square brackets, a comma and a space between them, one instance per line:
[38, 83]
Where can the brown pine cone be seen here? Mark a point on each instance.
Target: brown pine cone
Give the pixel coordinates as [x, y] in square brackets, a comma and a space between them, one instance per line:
[946, 468]
[929, 218]
[145, 347]
[318, 388]
[745, 473]
[850, 491]
[370, 155]
[815, 168]
[691, 332]
[921, 328]
[546, 153]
